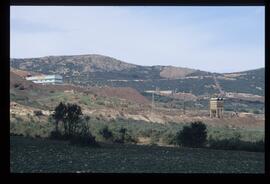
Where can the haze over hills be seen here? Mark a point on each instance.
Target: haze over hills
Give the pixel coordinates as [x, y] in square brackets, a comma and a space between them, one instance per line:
[96, 70]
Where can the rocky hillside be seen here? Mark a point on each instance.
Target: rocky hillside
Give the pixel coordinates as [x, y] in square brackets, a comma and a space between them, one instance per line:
[98, 70]
[252, 81]
[96, 66]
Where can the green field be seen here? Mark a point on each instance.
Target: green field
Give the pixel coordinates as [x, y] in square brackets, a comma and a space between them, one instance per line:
[42, 155]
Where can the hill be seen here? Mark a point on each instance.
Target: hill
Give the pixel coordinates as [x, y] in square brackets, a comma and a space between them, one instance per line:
[125, 102]
[98, 70]
[251, 81]
[46, 96]
[244, 91]
[98, 64]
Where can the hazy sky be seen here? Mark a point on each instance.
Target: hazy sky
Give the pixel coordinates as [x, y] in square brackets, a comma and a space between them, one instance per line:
[217, 39]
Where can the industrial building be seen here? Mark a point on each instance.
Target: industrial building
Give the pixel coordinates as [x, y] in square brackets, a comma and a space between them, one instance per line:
[46, 79]
[216, 107]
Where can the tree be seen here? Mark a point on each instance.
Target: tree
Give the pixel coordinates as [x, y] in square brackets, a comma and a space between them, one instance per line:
[72, 118]
[59, 115]
[82, 135]
[76, 128]
[122, 132]
[194, 135]
[69, 115]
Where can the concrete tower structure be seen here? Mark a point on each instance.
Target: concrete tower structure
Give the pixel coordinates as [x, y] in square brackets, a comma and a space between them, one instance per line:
[216, 107]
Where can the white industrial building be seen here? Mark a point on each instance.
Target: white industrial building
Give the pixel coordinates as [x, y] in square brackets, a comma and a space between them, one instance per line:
[46, 79]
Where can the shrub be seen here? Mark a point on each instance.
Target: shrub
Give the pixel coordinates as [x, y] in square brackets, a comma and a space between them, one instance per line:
[256, 112]
[56, 135]
[16, 85]
[100, 102]
[38, 113]
[87, 118]
[106, 133]
[243, 110]
[169, 138]
[21, 87]
[121, 136]
[84, 140]
[83, 136]
[236, 144]
[192, 136]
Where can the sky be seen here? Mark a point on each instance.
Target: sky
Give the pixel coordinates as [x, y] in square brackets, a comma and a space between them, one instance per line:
[215, 39]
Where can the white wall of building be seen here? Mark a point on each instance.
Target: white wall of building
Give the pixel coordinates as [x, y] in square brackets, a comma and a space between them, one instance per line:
[46, 79]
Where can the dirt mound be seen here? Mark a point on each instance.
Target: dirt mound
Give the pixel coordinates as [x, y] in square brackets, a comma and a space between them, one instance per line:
[121, 92]
[23, 73]
[18, 81]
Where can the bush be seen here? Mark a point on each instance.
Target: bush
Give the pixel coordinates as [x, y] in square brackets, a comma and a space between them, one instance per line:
[100, 102]
[169, 138]
[256, 112]
[192, 136]
[56, 135]
[106, 133]
[38, 113]
[121, 136]
[83, 136]
[84, 140]
[16, 85]
[21, 87]
[236, 144]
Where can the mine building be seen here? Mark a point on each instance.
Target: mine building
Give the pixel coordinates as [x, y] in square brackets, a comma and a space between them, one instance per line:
[46, 79]
[216, 107]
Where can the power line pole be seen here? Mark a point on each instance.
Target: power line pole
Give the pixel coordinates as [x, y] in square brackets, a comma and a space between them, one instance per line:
[184, 105]
[153, 101]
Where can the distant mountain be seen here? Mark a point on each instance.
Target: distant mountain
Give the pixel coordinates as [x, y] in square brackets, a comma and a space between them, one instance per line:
[98, 70]
[95, 66]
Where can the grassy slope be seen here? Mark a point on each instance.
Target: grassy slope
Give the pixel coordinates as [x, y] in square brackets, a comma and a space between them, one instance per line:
[36, 155]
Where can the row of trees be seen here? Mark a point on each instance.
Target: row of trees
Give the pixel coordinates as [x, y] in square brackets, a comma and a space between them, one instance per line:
[117, 136]
[69, 118]
[70, 124]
